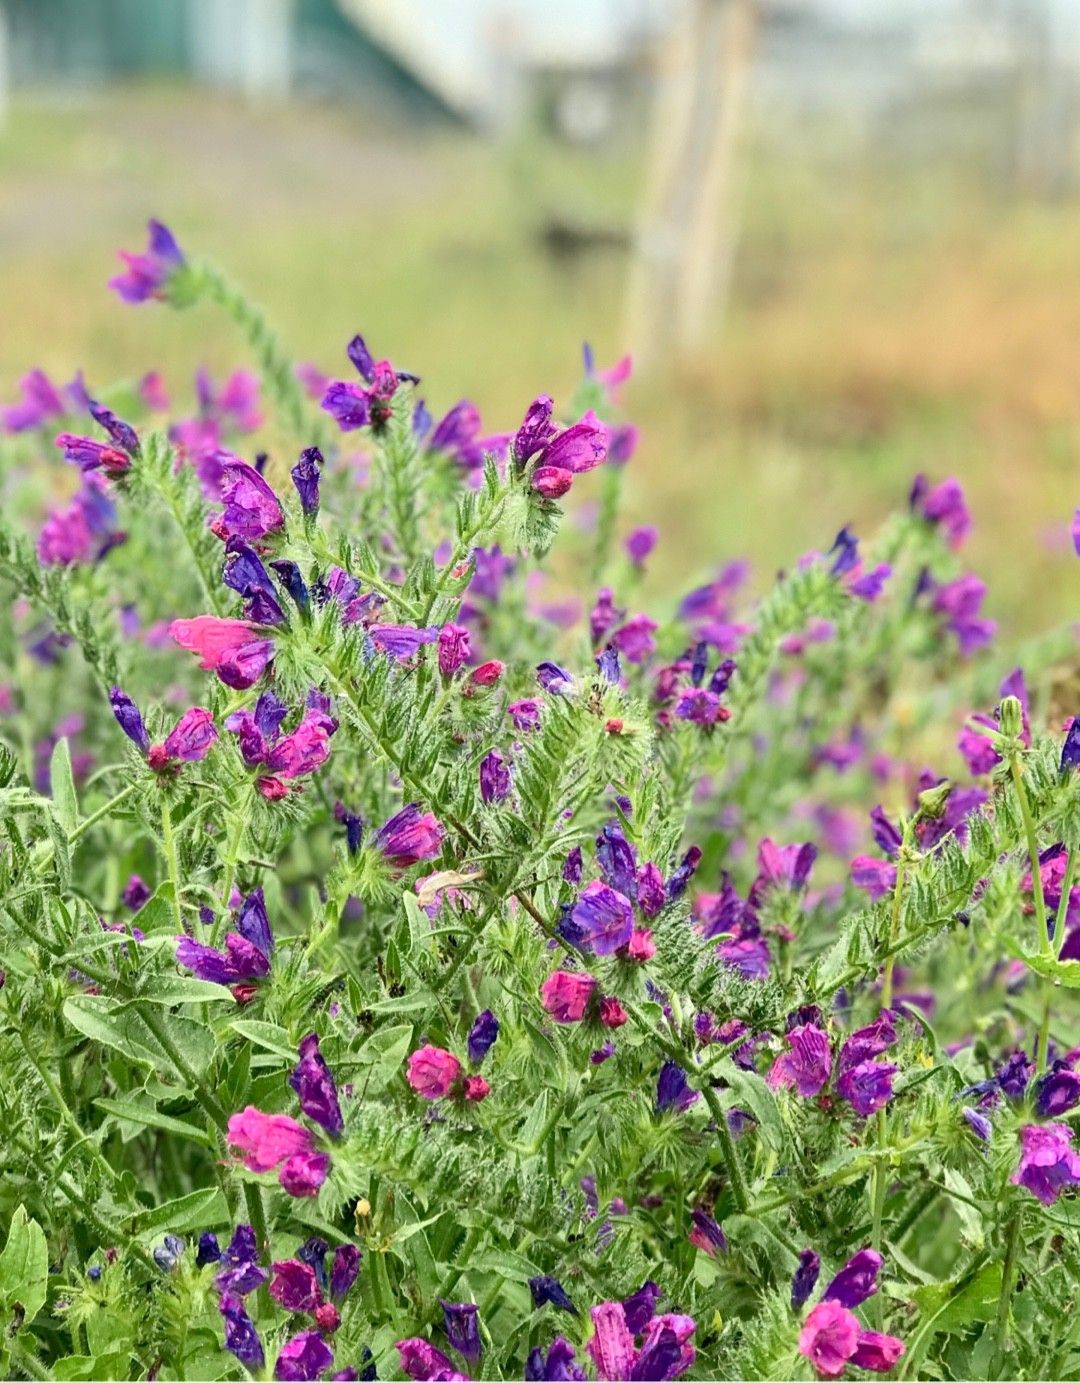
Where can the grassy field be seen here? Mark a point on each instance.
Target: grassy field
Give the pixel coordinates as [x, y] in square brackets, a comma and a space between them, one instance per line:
[882, 321]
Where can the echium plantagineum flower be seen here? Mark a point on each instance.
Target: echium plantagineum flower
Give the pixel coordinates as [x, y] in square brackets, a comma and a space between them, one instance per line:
[152, 274]
[244, 573]
[867, 1084]
[959, 602]
[41, 402]
[302, 1358]
[435, 1073]
[1049, 1164]
[848, 567]
[251, 508]
[977, 747]
[112, 458]
[277, 1142]
[423, 1361]
[246, 957]
[806, 1065]
[283, 758]
[944, 506]
[553, 457]
[189, 741]
[457, 435]
[833, 1337]
[301, 1284]
[353, 405]
[83, 531]
[625, 1347]
[410, 835]
[233, 648]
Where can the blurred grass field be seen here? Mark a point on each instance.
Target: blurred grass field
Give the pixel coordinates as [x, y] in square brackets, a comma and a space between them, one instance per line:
[884, 319]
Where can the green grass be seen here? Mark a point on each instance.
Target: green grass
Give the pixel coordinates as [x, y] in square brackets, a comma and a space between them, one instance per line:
[884, 320]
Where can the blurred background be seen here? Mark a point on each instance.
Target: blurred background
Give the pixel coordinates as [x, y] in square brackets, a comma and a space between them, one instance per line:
[841, 238]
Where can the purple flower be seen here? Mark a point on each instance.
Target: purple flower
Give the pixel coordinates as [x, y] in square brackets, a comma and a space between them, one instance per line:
[1048, 1163]
[617, 860]
[462, 1324]
[208, 1251]
[944, 506]
[305, 477]
[1057, 1092]
[288, 573]
[354, 827]
[866, 1043]
[348, 404]
[846, 548]
[640, 543]
[482, 1035]
[401, 641]
[241, 1337]
[91, 455]
[240, 961]
[344, 1272]
[41, 403]
[700, 706]
[1070, 750]
[550, 1289]
[868, 1086]
[804, 1279]
[168, 1253]
[979, 1123]
[806, 1064]
[554, 679]
[706, 1234]
[252, 510]
[494, 777]
[640, 1307]
[306, 1356]
[856, 1280]
[536, 430]
[147, 275]
[558, 1363]
[634, 640]
[315, 1087]
[682, 874]
[409, 837]
[136, 893]
[295, 1285]
[1014, 1075]
[604, 916]
[960, 601]
[672, 1090]
[129, 718]
[122, 434]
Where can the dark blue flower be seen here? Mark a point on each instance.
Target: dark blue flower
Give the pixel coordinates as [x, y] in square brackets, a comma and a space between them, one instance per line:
[241, 1337]
[288, 573]
[315, 1087]
[462, 1322]
[167, 1254]
[305, 476]
[804, 1279]
[550, 1289]
[672, 1090]
[482, 1036]
[129, 718]
[1070, 750]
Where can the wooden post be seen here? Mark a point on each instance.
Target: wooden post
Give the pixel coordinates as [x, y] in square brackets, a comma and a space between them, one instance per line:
[686, 229]
[705, 266]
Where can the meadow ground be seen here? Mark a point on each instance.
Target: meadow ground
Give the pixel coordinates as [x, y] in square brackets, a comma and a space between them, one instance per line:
[884, 319]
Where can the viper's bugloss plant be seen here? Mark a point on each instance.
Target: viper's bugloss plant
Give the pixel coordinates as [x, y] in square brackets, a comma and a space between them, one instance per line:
[517, 983]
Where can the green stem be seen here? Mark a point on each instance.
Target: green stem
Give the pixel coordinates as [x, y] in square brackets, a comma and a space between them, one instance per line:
[728, 1151]
[230, 872]
[1063, 903]
[29, 1363]
[1045, 944]
[1008, 1278]
[168, 841]
[208, 1101]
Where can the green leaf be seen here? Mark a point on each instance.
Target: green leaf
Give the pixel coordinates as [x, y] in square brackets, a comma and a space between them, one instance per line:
[183, 989]
[748, 1089]
[198, 1210]
[949, 1306]
[24, 1268]
[62, 787]
[83, 1368]
[123, 1028]
[384, 1051]
[267, 1035]
[148, 1116]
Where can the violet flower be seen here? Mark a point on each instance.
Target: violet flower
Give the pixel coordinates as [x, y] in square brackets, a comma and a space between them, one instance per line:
[241, 1337]
[806, 1065]
[409, 836]
[149, 275]
[494, 777]
[673, 1091]
[305, 477]
[550, 1290]
[804, 1279]
[856, 1280]
[315, 1087]
[482, 1036]
[1048, 1162]
[605, 917]
[461, 1321]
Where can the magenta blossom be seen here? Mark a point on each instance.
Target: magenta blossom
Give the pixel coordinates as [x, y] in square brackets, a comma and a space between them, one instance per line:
[229, 647]
[565, 994]
[149, 275]
[832, 1337]
[252, 509]
[664, 1351]
[433, 1072]
[410, 836]
[1048, 1162]
[272, 1141]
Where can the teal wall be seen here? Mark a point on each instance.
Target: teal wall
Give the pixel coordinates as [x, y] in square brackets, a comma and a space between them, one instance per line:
[97, 38]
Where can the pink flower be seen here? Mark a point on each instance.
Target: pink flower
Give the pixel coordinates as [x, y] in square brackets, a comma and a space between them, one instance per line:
[832, 1337]
[829, 1338]
[642, 946]
[454, 648]
[476, 1088]
[266, 1140]
[612, 1013]
[433, 1071]
[228, 647]
[566, 994]
[664, 1351]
